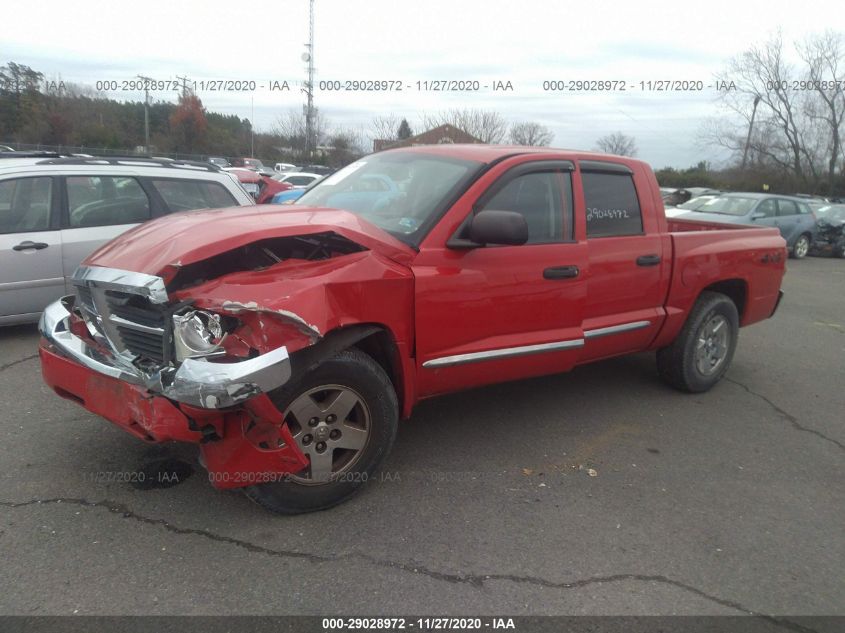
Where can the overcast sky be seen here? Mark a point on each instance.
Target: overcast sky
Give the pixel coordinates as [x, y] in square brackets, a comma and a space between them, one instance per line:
[524, 42]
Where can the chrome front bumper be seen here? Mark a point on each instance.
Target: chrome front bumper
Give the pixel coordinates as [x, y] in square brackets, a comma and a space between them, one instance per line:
[196, 382]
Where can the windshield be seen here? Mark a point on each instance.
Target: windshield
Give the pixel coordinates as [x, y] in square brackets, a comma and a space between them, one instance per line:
[399, 192]
[727, 205]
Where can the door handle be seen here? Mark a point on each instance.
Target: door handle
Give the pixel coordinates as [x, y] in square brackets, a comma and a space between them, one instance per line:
[648, 260]
[29, 244]
[560, 272]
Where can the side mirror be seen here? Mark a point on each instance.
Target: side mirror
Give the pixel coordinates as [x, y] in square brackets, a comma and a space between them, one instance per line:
[758, 216]
[498, 227]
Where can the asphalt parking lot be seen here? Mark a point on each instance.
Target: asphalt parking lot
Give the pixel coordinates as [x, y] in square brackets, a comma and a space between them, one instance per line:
[597, 492]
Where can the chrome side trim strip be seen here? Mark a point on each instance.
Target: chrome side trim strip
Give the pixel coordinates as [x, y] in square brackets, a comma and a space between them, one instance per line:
[616, 329]
[123, 281]
[507, 352]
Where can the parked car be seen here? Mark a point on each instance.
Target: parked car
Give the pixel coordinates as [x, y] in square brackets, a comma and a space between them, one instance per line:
[830, 231]
[693, 204]
[219, 161]
[677, 198]
[298, 179]
[56, 210]
[696, 192]
[247, 163]
[791, 215]
[672, 197]
[808, 197]
[366, 189]
[287, 345]
[259, 185]
[283, 167]
[322, 170]
[287, 197]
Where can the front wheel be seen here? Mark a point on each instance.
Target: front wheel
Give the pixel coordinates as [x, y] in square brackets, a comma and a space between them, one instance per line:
[343, 416]
[801, 248]
[701, 354]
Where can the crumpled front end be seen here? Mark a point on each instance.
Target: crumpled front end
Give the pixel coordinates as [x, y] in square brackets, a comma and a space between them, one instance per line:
[126, 333]
[192, 353]
[113, 348]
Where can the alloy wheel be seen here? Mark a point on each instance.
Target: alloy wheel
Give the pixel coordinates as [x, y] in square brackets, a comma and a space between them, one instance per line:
[711, 348]
[331, 425]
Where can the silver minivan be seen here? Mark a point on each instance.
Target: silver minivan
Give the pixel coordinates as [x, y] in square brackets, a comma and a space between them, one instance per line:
[56, 210]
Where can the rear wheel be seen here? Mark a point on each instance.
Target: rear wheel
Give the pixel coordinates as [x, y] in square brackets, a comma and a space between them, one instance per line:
[704, 349]
[802, 247]
[343, 416]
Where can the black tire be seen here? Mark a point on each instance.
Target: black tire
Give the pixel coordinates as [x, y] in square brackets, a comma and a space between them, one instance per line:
[677, 364]
[358, 372]
[801, 247]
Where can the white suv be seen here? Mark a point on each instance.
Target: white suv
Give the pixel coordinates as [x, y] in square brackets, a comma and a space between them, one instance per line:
[55, 210]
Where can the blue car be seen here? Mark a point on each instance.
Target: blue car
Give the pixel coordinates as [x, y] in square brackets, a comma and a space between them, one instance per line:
[289, 196]
[792, 216]
[368, 193]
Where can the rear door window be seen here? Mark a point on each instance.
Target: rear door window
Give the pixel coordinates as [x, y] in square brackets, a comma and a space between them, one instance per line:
[787, 208]
[613, 208]
[105, 200]
[187, 195]
[25, 204]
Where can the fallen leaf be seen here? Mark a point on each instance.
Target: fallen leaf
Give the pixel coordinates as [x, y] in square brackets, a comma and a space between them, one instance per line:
[592, 472]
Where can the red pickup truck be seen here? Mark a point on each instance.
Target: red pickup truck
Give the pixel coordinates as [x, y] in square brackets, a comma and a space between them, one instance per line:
[288, 342]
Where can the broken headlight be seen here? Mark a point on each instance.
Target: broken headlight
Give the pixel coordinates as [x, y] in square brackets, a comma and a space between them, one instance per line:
[197, 333]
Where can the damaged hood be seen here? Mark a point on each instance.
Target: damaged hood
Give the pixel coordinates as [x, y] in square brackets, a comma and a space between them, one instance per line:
[184, 238]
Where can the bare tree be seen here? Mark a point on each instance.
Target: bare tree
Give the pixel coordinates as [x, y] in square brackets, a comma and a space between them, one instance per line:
[824, 56]
[531, 133]
[764, 73]
[290, 126]
[343, 146]
[617, 143]
[797, 135]
[385, 127]
[761, 75]
[485, 125]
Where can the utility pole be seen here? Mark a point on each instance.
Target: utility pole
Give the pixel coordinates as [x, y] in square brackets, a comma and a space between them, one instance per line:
[252, 128]
[185, 81]
[750, 129]
[147, 81]
[308, 56]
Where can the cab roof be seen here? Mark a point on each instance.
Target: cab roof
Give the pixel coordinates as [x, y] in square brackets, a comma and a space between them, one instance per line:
[490, 153]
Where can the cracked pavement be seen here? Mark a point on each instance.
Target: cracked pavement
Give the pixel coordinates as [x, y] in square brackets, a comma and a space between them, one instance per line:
[730, 502]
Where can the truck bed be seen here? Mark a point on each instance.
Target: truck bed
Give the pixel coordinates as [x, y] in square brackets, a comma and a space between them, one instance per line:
[740, 259]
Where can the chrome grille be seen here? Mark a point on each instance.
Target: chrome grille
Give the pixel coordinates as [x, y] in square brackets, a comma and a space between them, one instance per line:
[130, 323]
[141, 325]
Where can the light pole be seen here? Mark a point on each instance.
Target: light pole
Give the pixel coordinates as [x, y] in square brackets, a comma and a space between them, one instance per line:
[308, 56]
[750, 129]
[147, 81]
